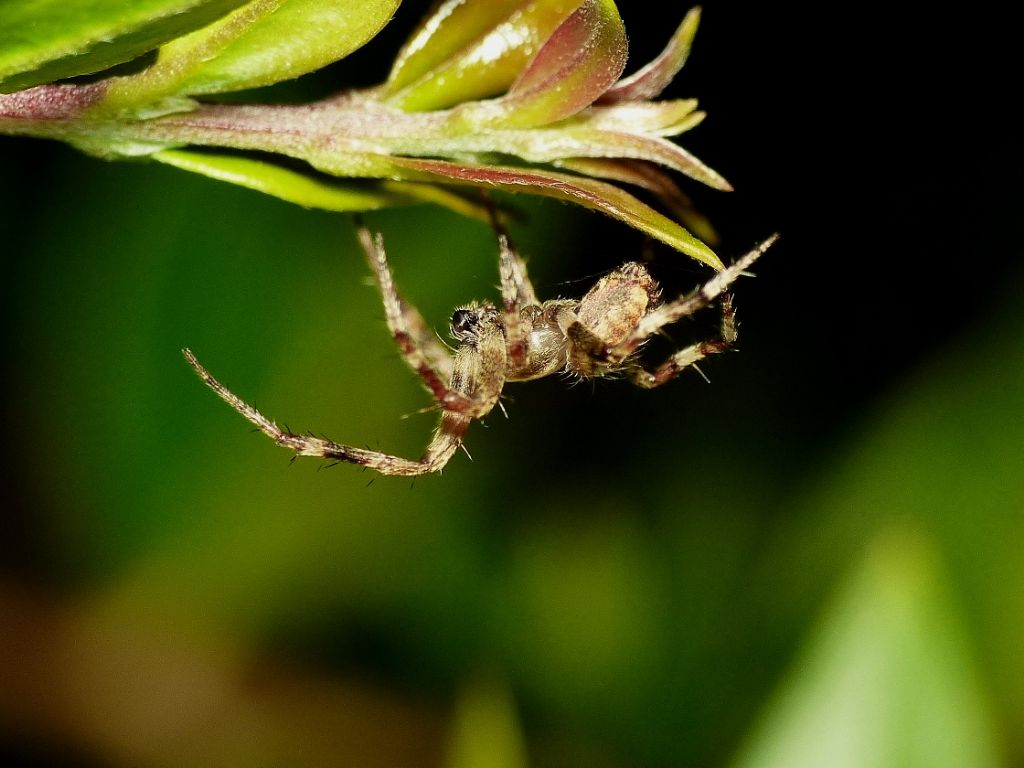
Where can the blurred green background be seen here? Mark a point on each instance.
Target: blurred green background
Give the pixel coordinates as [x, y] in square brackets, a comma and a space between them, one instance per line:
[814, 560]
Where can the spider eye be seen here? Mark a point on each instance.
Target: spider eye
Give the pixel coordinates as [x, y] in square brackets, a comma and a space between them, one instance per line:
[463, 323]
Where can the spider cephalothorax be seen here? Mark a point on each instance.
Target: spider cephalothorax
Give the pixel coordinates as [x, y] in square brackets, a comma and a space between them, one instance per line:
[523, 339]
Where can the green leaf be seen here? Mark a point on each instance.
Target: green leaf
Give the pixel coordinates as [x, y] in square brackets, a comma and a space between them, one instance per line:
[651, 178]
[313, 191]
[598, 195]
[578, 63]
[346, 128]
[942, 450]
[45, 40]
[545, 145]
[648, 82]
[887, 680]
[352, 136]
[284, 183]
[264, 42]
[485, 729]
[657, 118]
[471, 50]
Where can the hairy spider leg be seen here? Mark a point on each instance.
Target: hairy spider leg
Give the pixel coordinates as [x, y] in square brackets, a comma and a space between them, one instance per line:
[515, 282]
[406, 316]
[691, 355]
[418, 346]
[516, 293]
[687, 305]
[446, 440]
[476, 375]
[516, 288]
[588, 350]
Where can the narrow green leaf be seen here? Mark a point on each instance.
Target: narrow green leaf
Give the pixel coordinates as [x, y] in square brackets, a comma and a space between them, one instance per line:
[313, 191]
[485, 729]
[578, 63]
[599, 195]
[657, 118]
[648, 82]
[887, 680]
[45, 40]
[261, 43]
[471, 50]
[545, 145]
[640, 147]
[284, 183]
[651, 178]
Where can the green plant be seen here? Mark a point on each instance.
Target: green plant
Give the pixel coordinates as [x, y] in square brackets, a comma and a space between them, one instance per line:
[506, 94]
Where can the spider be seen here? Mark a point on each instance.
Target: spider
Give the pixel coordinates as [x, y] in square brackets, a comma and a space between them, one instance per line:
[520, 340]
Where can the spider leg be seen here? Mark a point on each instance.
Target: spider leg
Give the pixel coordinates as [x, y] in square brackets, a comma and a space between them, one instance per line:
[691, 355]
[516, 293]
[516, 290]
[446, 440]
[587, 351]
[687, 305]
[420, 349]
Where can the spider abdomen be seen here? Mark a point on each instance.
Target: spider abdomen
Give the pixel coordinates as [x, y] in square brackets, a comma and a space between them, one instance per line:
[612, 309]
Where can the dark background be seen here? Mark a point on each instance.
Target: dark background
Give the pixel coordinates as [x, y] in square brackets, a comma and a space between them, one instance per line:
[639, 571]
